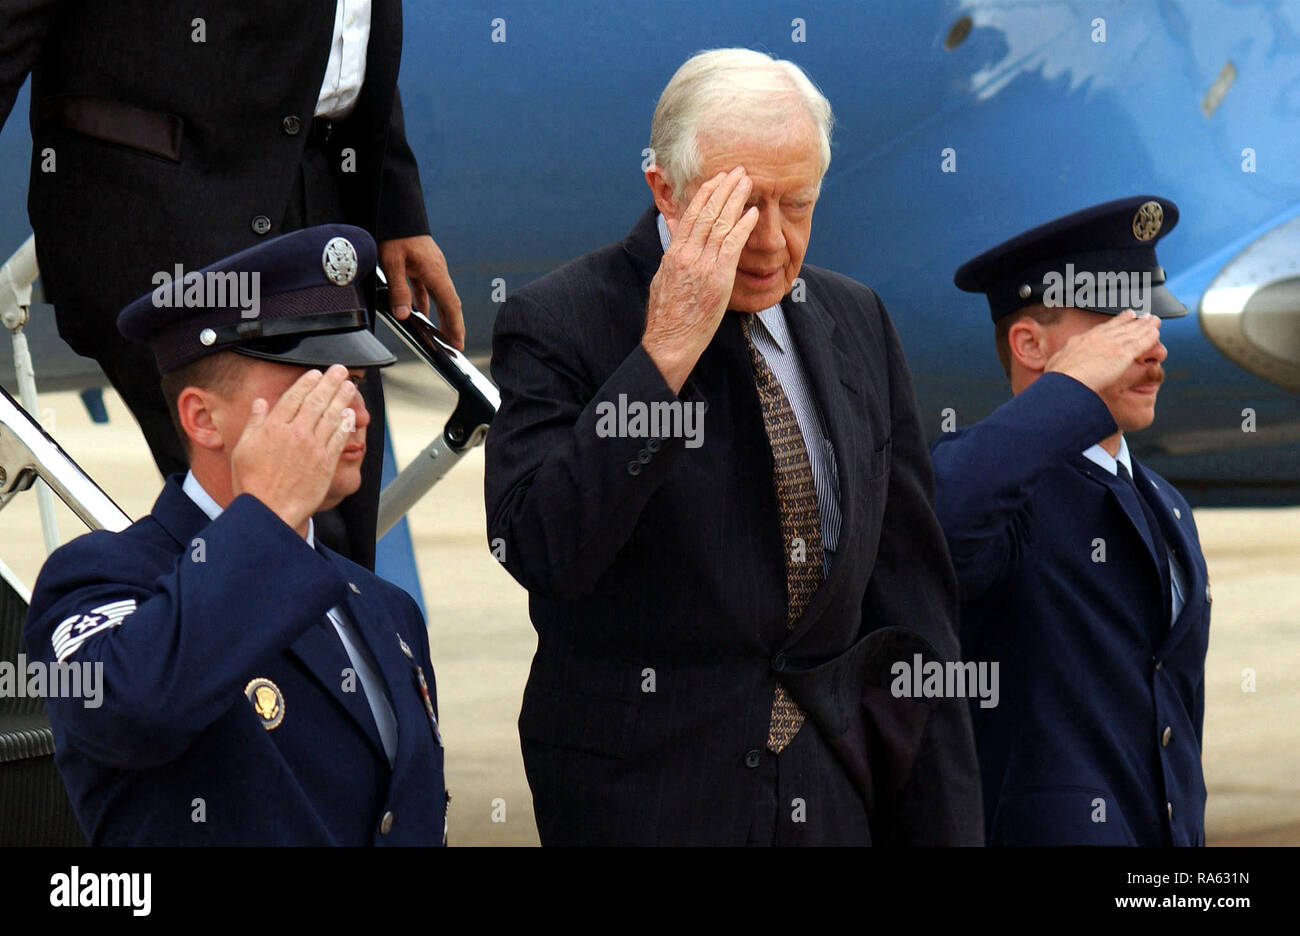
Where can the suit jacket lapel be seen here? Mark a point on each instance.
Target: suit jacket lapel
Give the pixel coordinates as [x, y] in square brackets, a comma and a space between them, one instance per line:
[829, 371]
[396, 670]
[321, 651]
[1124, 496]
[1185, 551]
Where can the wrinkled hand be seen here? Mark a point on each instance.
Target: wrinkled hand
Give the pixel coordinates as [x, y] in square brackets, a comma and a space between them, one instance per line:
[1100, 357]
[420, 260]
[287, 454]
[690, 292]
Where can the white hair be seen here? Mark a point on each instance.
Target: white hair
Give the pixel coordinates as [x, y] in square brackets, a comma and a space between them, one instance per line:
[728, 89]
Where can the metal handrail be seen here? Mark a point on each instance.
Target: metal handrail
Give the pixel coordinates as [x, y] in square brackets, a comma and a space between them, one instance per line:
[477, 402]
[27, 452]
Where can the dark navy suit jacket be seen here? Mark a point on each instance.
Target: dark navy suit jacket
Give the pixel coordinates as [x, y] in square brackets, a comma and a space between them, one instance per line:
[1097, 737]
[656, 578]
[175, 727]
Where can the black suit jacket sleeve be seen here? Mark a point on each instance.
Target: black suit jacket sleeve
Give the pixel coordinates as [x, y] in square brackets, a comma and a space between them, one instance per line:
[563, 499]
[23, 26]
[401, 200]
[913, 583]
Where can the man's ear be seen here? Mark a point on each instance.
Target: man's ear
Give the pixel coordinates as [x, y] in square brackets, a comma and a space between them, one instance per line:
[662, 190]
[1027, 342]
[195, 407]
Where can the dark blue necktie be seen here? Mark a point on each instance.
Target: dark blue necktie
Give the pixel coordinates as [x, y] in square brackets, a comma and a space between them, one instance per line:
[1157, 537]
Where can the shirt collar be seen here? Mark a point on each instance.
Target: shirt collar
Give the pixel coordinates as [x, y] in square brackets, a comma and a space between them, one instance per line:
[206, 503]
[772, 318]
[1102, 458]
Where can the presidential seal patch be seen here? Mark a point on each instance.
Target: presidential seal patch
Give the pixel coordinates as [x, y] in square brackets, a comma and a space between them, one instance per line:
[1147, 221]
[267, 701]
[339, 261]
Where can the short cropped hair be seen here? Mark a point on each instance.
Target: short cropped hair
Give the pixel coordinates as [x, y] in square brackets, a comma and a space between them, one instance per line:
[218, 372]
[1040, 313]
[721, 85]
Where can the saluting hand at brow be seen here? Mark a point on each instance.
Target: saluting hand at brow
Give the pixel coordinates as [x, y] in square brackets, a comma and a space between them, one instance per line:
[1100, 357]
[689, 294]
[288, 453]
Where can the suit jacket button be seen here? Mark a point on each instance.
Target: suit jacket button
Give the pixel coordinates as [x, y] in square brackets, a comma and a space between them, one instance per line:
[1159, 664]
[386, 823]
[261, 224]
[778, 662]
[291, 125]
[1170, 808]
[753, 758]
[634, 468]
[1168, 733]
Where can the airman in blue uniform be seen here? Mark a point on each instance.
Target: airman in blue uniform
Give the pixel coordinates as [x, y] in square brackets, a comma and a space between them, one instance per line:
[1081, 572]
[258, 688]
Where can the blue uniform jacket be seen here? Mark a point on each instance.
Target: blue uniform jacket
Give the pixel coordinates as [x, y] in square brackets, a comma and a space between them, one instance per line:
[1097, 735]
[176, 754]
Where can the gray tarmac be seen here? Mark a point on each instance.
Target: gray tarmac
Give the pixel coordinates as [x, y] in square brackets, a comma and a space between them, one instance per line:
[482, 641]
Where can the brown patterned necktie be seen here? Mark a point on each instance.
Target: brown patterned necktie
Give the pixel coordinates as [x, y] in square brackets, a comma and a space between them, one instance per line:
[796, 498]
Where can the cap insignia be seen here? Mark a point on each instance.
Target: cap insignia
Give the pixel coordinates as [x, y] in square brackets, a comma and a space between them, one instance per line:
[340, 261]
[1147, 221]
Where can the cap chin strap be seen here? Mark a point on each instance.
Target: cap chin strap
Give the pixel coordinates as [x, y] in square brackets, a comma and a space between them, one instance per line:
[1030, 293]
[298, 326]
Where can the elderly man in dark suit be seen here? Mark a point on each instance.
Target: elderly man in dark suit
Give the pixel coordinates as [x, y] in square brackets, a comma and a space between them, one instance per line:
[167, 136]
[709, 474]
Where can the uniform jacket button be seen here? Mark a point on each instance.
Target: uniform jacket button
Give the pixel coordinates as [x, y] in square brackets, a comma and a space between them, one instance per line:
[1168, 733]
[653, 446]
[261, 224]
[753, 758]
[634, 468]
[386, 823]
[1170, 808]
[291, 125]
[643, 457]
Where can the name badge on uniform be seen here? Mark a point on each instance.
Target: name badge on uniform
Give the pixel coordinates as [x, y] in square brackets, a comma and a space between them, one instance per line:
[423, 685]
